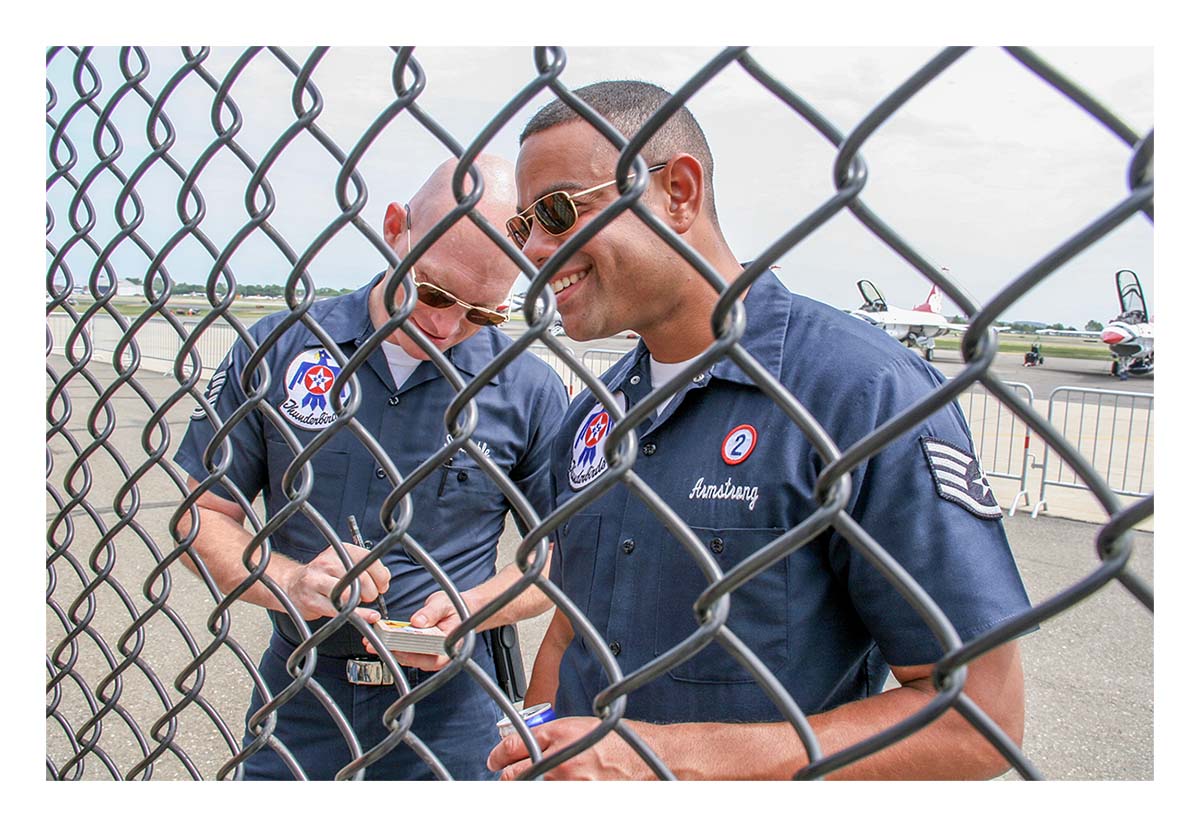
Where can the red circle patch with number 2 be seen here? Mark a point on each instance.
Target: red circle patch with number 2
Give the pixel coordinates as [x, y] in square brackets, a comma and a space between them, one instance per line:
[738, 444]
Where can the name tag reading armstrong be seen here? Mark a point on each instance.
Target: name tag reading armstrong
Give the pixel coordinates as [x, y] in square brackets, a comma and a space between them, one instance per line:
[401, 636]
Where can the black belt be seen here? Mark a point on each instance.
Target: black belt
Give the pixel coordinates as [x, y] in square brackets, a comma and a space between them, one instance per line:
[346, 642]
[366, 670]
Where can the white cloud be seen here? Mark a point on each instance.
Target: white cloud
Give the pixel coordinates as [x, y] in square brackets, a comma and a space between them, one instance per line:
[985, 170]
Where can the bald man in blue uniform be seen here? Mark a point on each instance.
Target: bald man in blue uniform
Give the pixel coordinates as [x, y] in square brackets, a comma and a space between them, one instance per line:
[739, 472]
[458, 512]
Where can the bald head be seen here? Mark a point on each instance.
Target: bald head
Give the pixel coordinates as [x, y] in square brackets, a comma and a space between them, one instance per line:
[461, 260]
[463, 240]
[435, 198]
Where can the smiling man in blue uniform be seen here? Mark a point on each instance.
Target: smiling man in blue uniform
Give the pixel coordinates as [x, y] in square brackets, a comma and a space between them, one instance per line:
[458, 512]
[739, 472]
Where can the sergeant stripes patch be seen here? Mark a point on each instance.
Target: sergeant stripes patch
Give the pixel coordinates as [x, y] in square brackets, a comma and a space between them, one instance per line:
[959, 478]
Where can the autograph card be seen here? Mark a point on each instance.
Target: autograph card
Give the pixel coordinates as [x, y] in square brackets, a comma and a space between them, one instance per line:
[400, 636]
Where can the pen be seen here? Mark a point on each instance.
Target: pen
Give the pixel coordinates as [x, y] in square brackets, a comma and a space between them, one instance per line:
[446, 466]
[356, 538]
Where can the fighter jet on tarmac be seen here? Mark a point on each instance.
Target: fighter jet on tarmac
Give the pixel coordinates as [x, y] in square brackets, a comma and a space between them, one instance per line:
[1130, 336]
[912, 328]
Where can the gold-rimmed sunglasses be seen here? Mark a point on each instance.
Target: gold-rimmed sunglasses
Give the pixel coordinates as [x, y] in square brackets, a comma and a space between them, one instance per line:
[439, 297]
[555, 211]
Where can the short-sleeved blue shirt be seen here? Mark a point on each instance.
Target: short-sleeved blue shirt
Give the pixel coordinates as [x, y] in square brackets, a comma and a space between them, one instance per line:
[740, 472]
[458, 512]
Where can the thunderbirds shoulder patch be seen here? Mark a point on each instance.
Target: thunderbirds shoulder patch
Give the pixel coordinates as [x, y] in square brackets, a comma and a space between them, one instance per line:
[308, 383]
[959, 478]
[587, 449]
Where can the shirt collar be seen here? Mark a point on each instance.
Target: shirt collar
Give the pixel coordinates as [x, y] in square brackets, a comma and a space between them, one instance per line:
[472, 355]
[768, 307]
[344, 319]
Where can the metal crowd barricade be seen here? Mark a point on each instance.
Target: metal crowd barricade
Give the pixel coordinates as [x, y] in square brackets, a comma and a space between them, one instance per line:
[214, 343]
[59, 327]
[1092, 420]
[555, 361]
[156, 339]
[598, 360]
[1001, 437]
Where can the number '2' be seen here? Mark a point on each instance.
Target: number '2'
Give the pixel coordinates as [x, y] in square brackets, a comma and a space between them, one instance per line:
[736, 451]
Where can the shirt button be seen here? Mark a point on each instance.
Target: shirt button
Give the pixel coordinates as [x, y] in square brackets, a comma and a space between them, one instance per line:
[698, 379]
[393, 401]
[379, 472]
[462, 476]
[648, 449]
[367, 544]
[627, 546]
[717, 545]
[615, 648]
[633, 380]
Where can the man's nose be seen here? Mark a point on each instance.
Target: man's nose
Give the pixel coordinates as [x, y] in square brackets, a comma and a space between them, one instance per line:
[541, 245]
[442, 321]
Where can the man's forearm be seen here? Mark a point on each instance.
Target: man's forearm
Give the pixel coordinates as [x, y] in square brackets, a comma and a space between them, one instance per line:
[949, 747]
[220, 543]
[543, 682]
[775, 751]
[529, 603]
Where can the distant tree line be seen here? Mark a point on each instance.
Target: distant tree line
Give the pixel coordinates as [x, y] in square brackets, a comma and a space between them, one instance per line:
[1032, 327]
[270, 291]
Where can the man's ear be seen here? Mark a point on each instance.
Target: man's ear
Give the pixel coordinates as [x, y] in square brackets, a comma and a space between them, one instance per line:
[394, 221]
[684, 184]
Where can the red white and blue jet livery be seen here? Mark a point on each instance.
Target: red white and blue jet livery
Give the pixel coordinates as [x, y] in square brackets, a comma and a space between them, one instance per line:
[1130, 336]
[918, 327]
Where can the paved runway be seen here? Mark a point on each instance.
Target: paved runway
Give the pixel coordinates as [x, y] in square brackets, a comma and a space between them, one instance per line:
[1056, 372]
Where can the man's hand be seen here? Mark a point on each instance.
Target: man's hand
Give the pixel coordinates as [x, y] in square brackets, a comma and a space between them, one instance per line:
[310, 585]
[438, 611]
[611, 758]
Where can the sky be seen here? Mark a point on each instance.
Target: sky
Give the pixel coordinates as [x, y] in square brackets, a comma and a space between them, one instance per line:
[984, 171]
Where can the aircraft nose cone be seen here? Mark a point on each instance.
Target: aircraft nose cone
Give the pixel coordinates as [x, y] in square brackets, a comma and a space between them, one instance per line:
[1112, 337]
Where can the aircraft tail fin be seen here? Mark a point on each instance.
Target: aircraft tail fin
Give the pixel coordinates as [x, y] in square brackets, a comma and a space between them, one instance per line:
[933, 302]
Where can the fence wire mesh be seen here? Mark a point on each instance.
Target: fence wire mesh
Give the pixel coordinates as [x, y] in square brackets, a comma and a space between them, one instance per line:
[115, 583]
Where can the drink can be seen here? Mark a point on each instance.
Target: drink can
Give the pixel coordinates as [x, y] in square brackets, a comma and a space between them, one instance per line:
[534, 716]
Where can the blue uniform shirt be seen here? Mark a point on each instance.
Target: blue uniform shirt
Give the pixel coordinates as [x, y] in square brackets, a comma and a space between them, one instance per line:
[458, 512]
[739, 472]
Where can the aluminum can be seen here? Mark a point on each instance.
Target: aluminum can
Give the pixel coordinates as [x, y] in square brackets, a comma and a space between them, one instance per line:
[534, 716]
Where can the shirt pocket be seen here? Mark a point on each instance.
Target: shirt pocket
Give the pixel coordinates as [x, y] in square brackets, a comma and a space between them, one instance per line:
[331, 487]
[758, 609]
[579, 539]
[465, 492]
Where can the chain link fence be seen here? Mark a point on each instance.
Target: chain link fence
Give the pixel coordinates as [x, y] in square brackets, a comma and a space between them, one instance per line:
[141, 652]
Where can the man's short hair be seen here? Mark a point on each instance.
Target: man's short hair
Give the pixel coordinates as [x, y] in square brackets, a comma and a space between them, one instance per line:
[628, 105]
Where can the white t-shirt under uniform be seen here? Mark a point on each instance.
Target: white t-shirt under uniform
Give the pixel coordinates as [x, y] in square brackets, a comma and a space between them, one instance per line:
[399, 363]
[662, 372]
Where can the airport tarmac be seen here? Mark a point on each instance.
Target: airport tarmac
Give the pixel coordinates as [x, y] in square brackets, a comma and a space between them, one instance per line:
[1055, 372]
[1089, 670]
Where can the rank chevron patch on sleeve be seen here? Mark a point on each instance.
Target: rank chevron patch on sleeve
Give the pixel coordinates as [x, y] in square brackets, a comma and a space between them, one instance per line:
[959, 478]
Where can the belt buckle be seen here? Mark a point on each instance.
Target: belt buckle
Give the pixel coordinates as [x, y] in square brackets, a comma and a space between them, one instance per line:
[362, 672]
